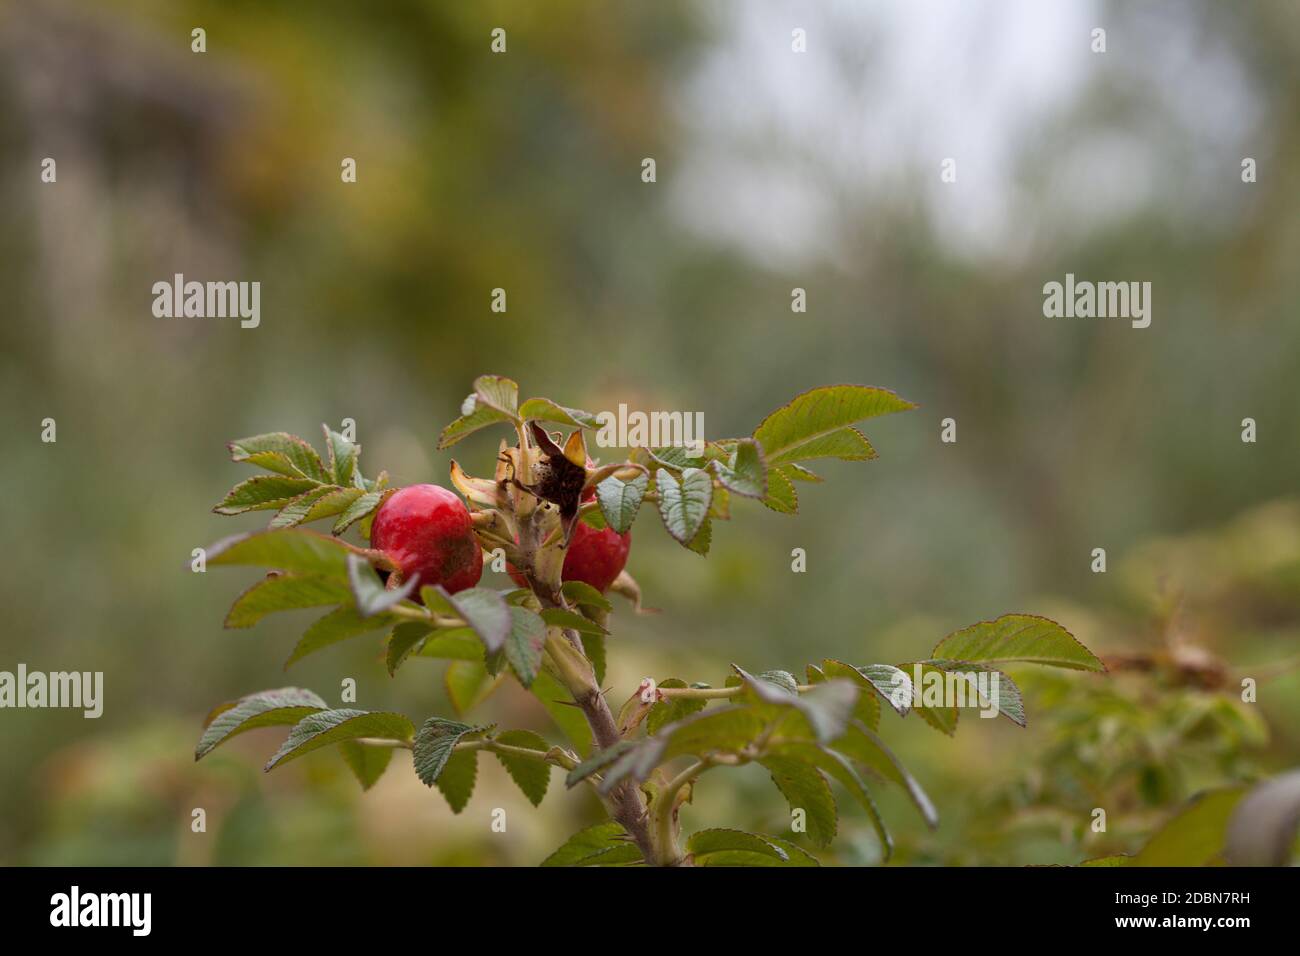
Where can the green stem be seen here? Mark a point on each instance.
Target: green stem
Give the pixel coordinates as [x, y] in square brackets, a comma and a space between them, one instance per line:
[554, 756]
[714, 693]
[663, 811]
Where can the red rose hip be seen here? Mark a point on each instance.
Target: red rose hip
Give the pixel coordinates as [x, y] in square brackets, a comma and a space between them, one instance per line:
[427, 531]
[596, 556]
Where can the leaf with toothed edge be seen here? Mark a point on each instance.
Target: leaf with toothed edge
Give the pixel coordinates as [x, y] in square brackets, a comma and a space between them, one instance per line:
[279, 452]
[523, 645]
[497, 393]
[434, 745]
[804, 788]
[862, 745]
[332, 726]
[295, 549]
[406, 637]
[545, 410]
[340, 624]
[456, 782]
[723, 847]
[781, 495]
[365, 505]
[284, 592]
[605, 844]
[262, 493]
[1018, 638]
[366, 761]
[477, 418]
[621, 500]
[745, 472]
[530, 775]
[342, 456]
[482, 609]
[818, 424]
[369, 592]
[269, 708]
[684, 505]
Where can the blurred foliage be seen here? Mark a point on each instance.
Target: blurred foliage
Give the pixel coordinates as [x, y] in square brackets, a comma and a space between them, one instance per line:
[522, 172]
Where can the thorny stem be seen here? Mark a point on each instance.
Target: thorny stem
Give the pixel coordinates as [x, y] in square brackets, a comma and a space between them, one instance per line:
[625, 802]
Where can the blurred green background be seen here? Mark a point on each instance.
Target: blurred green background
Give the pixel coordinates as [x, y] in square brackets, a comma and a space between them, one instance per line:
[775, 170]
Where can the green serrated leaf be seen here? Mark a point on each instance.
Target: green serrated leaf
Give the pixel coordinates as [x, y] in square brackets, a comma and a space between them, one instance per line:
[891, 683]
[722, 729]
[454, 644]
[269, 708]
[862, 744]
[280, 452]
[342, 457]
[781, 496]
[722, 847]
[498, 393]
[369, 592]
[262, 492]
[1018, 638]
[827, 707]
[335, 501]
[456, 782]
[1197, 834]
[605, 844]
[867, 708]
[621, 500]
[703, 539]
[799, 473]
[585, 596]
[366, 761]
[818, 424]
[481, 417]
[364, 505]
[532, 776]
[838, 768]
[523, 647]
[1003, 694]
[482, 609]
[559, 617]
[806, 790]
[327, 727]
[434, 745]
[684, 505]
[938, 714]
[405, 639]
[319, 501]
[284, 592]
[338, 625]
[745, 472]
[782, 679]
[465, 682]
[295, 549]
[671, 709]
[545, 410]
